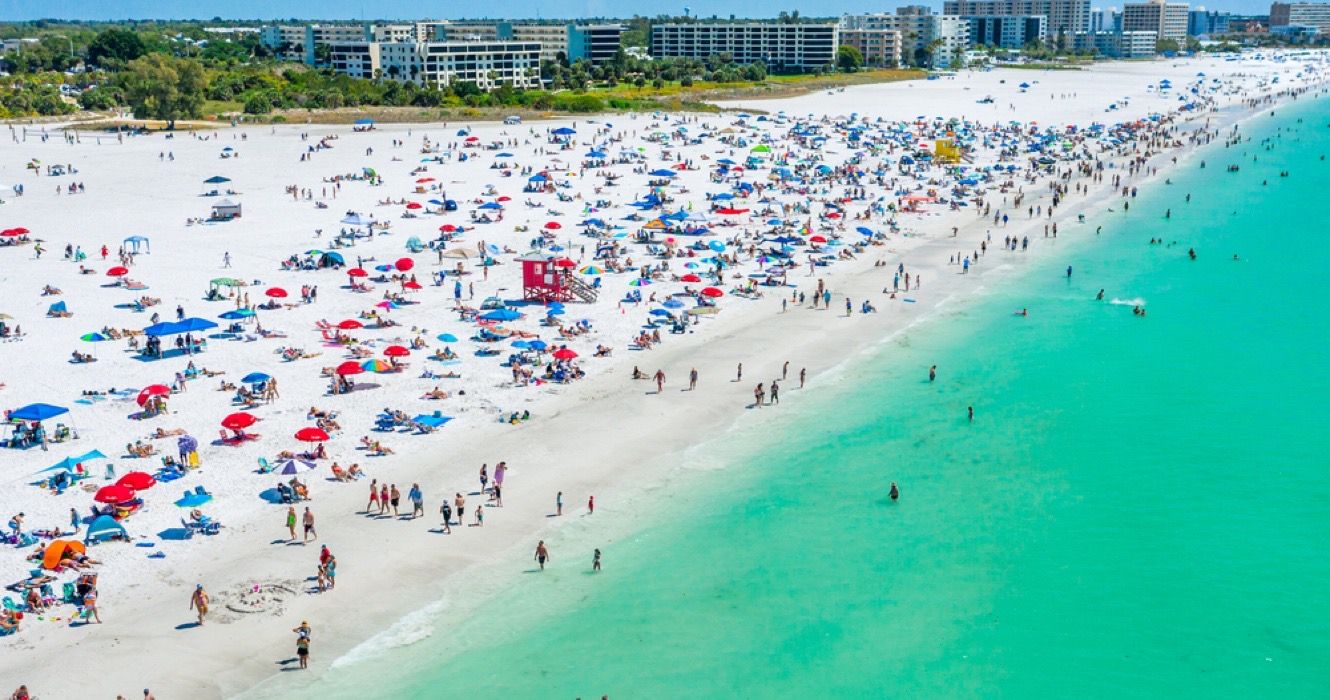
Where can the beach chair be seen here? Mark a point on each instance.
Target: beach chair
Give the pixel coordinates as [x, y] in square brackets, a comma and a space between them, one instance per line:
[264, 466]
[69, 593]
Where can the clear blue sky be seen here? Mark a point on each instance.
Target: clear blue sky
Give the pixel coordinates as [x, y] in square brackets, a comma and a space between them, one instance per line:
[413, 9]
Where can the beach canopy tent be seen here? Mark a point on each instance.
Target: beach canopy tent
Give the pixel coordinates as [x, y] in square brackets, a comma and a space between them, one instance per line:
[133, 243]
[59, 550]
[69, 463]
[189, 325]
[226, 282]
[105, 528]
[38, 412]
[217, 180]
[355, 219]
[225, 209]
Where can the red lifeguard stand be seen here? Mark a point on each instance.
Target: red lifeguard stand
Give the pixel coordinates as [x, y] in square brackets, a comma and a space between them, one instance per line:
[544, 280]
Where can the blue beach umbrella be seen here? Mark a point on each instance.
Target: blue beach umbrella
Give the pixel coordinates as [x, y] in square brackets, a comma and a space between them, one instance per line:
[447, 337]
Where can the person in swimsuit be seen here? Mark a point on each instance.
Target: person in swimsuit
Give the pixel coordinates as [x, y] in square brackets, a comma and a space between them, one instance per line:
[373, 498]
[302, 644]
[542, 554]
[199, 602]
[446, 511]
[291, 522]
[595, 561]
[459, 504]
[895, 492]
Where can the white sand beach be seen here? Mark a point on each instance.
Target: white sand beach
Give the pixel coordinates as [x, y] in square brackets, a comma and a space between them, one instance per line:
[592, 429]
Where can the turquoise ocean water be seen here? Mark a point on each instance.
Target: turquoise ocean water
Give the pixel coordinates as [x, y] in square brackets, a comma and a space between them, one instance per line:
[1141, 508]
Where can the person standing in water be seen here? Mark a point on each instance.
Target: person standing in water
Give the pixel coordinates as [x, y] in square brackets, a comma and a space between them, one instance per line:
[895, 492]
[595, 561]
[932, 373]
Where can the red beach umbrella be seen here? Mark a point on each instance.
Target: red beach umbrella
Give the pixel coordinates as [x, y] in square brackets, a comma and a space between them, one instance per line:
[138, 481]
[423, 180]
[239, 421]
[712, 292]
[312, 435]
[350, 324]
[349, 367]
[404, 264]
[117, 271]
[564, 262]
[151, 391]
[396, 351]
[817, 239]
[357, 272]
[412, 284]
[564, 354]
[504, 198]
[114, 493]
[19, 230]
[553, 225]
[731, 212]
[690, 278]
[447, 228]
[276, 293]
[413, 205]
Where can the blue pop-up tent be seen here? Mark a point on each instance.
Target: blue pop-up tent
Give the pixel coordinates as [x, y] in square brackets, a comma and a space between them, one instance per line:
[38, 412]
[105, 528]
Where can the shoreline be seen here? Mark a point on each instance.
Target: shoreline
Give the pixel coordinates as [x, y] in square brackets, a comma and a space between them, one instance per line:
[601, 400]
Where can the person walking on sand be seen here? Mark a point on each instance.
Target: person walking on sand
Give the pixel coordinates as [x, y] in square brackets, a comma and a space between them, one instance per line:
[542, 554]
[480, 516]
[803, 374]
[417, 501]
[226, 259]
[759, 395]
[199, 602]
[309, 525]
[291, 522]
[692, 379]
[558, 504]
[484, 477]
[396, 497]
[373, 499]
[591, 505]
[303, 633]
[775, 391]
[446, 512]
[459, 505]
[595, 561]
[739, 376]
[660, 381]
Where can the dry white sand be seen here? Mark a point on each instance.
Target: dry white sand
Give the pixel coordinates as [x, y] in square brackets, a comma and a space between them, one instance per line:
[604, 435]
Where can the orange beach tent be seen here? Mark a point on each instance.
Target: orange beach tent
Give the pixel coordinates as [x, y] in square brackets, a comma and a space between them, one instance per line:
[56, 551]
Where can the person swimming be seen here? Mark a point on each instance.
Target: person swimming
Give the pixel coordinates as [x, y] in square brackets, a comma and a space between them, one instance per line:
[1191, 253]
[895, 493]
[1099, 296]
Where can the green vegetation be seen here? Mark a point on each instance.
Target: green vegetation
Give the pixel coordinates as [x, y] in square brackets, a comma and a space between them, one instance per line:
[171, 71]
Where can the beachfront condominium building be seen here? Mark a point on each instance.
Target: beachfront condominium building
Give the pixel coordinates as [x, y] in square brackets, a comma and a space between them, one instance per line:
[926, 39]
[1065, 17]
[597, 43]
[1202, 23]
[437, 64]
[1167, 20]
[783, 46]
[1007, 31]
[881, 48]
[299, 42]
[1117, 44]
[1300, 14]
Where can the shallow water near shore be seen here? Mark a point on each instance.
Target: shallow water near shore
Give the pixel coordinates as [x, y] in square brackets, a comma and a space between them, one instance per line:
[1138, 509]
